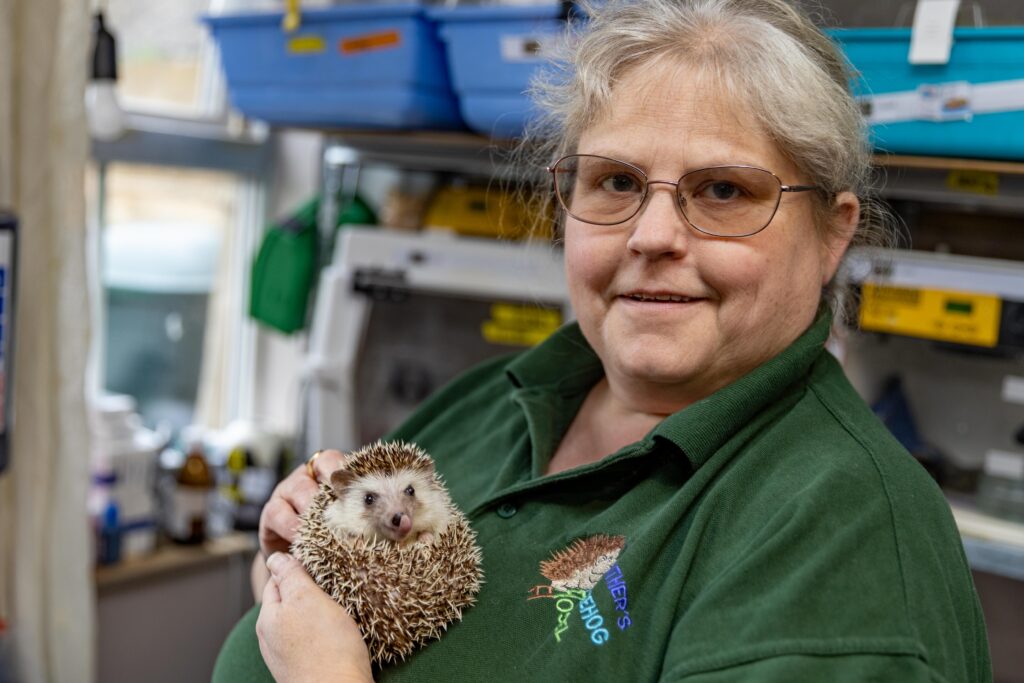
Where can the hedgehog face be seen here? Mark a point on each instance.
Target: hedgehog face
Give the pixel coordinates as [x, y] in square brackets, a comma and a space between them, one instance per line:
[380, 506]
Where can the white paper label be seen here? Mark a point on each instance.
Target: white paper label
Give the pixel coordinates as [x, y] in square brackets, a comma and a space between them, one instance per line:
[952, 101]
[526, 48]
[1013, 389]
[1004, 464]
[187, 504]
[932, 38]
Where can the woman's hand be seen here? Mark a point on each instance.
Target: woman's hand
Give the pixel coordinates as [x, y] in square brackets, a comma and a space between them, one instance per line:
[304, 635]
[280, 517]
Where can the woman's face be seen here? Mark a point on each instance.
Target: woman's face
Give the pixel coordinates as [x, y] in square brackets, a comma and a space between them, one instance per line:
[745, 299]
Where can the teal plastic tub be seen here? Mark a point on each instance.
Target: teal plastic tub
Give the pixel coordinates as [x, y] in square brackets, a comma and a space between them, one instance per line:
[971, 107]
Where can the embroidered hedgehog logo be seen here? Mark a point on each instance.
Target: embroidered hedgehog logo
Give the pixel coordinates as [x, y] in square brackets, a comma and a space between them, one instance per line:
[574, 573]
[583, 563]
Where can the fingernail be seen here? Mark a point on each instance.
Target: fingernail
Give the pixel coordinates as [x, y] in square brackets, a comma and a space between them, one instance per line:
[276, 562]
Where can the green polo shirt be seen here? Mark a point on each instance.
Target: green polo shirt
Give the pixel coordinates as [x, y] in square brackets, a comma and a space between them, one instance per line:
[773, 531]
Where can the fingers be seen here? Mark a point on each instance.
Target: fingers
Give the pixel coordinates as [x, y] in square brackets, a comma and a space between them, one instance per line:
[288, 575]
[298, 489]
[279, 520]
[325, 463]
[271, 593]
[259, 575]
[303, 634]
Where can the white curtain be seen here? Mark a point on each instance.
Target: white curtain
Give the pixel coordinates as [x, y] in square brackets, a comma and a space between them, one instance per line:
[46, 587]
[226, 384]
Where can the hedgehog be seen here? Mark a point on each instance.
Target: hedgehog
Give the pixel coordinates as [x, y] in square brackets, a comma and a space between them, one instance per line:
[384, 540]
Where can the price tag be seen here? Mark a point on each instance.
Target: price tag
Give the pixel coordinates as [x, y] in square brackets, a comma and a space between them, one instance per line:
[958, 317]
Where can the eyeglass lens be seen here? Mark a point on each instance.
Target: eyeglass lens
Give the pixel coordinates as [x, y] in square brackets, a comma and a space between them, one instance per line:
[728, 201]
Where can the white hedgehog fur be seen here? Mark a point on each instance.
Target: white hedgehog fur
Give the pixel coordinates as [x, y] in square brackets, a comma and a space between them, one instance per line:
[400, 595]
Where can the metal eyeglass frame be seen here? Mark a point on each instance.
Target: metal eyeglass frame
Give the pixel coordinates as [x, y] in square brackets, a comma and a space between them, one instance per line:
[553, 170]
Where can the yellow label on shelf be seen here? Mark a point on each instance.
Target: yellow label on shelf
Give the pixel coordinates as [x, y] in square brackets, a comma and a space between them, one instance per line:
[958, 317]
[520, 324]
[977, 182]
[307, 44]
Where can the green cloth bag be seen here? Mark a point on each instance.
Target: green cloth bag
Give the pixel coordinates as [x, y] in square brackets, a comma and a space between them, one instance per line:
[286, 265]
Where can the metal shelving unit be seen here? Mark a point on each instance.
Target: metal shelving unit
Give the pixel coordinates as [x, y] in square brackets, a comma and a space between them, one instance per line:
[346, 152]
[973, 183]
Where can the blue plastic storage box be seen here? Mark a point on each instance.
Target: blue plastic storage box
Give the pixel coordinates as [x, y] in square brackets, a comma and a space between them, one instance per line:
[971, 107]
[492, 53]
[377, 66]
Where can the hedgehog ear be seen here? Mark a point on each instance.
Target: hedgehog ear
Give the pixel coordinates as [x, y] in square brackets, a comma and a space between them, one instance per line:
[340, 479]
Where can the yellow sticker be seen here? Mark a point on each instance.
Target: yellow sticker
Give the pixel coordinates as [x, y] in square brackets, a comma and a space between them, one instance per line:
[958, 317]
[520, 324]
[307, 44]
[975, 182]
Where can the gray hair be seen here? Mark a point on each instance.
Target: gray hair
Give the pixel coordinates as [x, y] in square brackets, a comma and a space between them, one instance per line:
[765, 54]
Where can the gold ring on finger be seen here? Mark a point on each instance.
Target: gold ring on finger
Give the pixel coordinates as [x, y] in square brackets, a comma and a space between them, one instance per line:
[309, 465]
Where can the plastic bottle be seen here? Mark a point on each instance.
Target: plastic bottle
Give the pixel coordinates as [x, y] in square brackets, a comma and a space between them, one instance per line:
[104, 515]
[109, 534]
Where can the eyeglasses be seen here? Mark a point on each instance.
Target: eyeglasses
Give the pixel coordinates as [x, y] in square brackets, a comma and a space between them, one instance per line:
[724, 201]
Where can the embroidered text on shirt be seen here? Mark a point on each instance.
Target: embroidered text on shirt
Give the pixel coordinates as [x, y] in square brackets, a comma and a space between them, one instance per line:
[573, 573]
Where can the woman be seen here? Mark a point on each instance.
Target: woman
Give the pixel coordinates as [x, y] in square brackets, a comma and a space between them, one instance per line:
[683, 486]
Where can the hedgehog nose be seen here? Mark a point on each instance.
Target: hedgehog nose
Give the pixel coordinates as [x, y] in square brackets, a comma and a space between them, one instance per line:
[397, 519]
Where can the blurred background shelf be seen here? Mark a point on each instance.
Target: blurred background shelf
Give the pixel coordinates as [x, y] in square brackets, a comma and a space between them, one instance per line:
[974, 183]
[192, 596]
[992, 545]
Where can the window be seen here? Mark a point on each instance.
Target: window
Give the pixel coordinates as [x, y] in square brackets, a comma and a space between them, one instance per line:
[163, 251]
[176, 207]
[167, 61]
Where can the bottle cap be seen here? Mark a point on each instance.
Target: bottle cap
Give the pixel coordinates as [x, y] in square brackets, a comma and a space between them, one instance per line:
[194, 438]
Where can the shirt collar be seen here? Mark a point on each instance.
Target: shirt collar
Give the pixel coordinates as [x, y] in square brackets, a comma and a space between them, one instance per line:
[700, 429]
[566, 364]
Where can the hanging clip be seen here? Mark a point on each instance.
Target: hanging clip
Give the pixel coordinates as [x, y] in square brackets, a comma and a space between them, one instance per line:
[292, 17]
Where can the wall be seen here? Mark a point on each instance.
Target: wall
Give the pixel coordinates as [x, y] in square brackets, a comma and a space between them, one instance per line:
[296, 178]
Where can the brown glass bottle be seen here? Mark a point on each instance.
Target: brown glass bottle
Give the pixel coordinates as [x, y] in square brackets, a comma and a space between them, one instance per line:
[191, 499]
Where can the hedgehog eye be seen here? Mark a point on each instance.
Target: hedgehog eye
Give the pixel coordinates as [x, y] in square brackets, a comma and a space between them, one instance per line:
[369, 498]
[410, 491]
